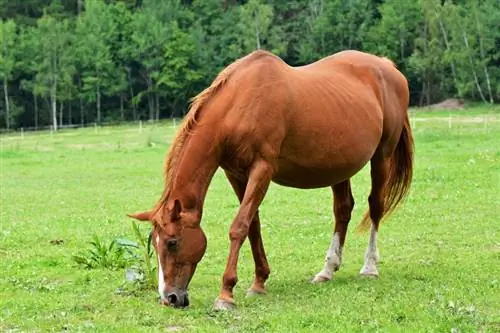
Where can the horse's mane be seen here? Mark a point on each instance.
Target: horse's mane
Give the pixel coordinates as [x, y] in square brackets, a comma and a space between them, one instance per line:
[189, 124]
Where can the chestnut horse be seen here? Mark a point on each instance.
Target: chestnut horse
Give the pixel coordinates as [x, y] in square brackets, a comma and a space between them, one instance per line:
[306, 127]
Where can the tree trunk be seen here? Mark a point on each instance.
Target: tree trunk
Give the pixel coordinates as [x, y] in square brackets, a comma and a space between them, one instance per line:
[476, 79]
[98, 97]
[122, 113]
[70, 111]
[53, 100]
[53, 92]
[131, 88]
[157, 106]
[401, 48]
[425, 81]
[422, 95]
[61, 114]
[134, 108]
[447, 44]
[488, 83]
[82, 115]
[7, 107]
[483, 58]
[151, 107]
[150, 99]
[257, 36]
[35, 106]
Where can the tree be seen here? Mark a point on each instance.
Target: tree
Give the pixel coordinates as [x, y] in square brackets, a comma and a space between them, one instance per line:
[334, 26]
[394, 34]
[179, 71]
[256, 30]
[49, 48]
[96, 31]
[8, 61]
[428, 60]
[153, 27]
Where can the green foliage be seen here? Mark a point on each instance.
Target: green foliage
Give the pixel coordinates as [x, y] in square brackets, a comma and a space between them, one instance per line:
[395, 33]
[102, 255]
[130, 60]
[96, 32]
[8, 57]
[8, 65]
[137, 257]
[48, 51]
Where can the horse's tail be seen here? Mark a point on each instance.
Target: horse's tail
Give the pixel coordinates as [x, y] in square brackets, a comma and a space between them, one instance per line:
[399, 177]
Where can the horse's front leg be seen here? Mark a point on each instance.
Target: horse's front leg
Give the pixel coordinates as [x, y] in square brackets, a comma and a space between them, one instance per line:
[258, 182]
[254, 236]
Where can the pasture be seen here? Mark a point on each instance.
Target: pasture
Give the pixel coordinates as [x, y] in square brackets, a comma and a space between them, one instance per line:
[440, 251]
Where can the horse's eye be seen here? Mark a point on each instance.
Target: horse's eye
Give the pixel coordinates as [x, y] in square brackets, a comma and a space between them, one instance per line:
[172, 244]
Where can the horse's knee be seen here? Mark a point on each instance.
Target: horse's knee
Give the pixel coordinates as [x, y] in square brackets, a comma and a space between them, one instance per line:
[238, 233]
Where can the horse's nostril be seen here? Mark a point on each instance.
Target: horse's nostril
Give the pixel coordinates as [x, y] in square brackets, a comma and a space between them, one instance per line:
[172, 298]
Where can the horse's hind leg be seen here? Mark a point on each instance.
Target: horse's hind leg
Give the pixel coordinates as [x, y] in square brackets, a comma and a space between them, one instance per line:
[343, 204]
[254, 236]
[379, 173]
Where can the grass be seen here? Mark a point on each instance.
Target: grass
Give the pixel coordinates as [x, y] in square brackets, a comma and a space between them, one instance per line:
[440, 252]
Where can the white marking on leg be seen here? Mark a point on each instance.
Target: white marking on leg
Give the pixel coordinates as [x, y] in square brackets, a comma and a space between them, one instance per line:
[333, 260]
[371, 255]
[161, 279]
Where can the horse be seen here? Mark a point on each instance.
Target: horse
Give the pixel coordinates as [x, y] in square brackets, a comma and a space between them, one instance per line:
[261, 121]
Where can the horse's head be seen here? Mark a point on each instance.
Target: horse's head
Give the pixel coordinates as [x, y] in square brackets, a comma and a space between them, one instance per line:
[180, 244]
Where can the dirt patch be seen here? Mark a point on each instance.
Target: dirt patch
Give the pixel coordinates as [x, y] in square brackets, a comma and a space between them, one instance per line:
[451, 103]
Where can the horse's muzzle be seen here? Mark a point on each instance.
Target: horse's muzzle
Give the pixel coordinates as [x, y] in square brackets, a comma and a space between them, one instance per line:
[177, 299]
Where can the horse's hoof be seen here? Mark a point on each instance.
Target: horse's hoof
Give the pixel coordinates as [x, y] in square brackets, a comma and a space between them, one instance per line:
[256, 292]
[223, 305]
[320, 278]
[370, 272]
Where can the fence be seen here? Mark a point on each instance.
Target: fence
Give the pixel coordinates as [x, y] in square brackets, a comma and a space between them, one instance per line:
[50, 129]
[451, 121]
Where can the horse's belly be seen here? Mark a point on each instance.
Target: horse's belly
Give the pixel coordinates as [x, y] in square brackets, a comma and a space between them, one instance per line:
[312, 161]
[299, 176]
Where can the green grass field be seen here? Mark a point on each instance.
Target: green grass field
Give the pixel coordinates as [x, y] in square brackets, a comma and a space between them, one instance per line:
[440, 252]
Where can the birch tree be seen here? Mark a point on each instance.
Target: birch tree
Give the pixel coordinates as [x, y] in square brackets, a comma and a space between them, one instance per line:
[49, 46]
[8, 61]
[256, 30]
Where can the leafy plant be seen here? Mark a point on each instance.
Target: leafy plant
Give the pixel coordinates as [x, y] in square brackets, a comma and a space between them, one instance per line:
[103, 255]
[142, 273]
[136, 257]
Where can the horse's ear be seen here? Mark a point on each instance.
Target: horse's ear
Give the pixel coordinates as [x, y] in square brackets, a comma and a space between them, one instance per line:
[175, 211]
[143, 216]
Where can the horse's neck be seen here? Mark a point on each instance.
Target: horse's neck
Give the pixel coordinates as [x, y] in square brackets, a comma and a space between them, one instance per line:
[195, 169]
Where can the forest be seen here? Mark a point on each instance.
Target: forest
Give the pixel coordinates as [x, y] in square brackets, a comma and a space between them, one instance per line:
[76, 62]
